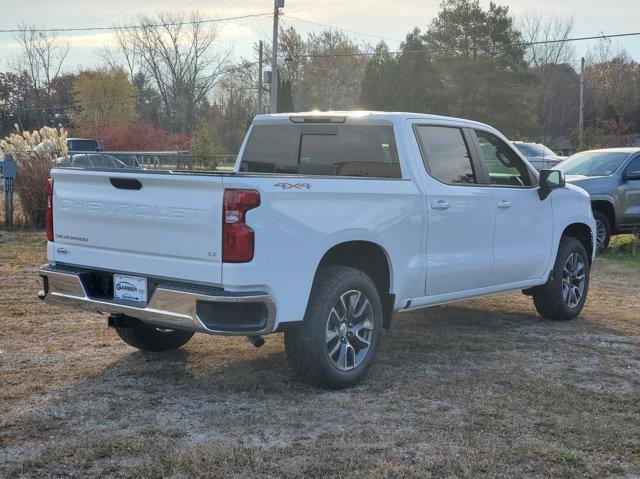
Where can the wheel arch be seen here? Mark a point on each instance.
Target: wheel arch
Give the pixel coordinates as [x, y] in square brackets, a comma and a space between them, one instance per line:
[583, 233]
[606, 208]
[373, 260]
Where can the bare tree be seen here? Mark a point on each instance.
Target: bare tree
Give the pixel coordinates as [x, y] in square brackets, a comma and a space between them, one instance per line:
[177, 53]
[325, 69]
[537, 27]
[557, 101]
[125, 54]
[40, 63]
[612, 79]
[235, 104]
[550, 57]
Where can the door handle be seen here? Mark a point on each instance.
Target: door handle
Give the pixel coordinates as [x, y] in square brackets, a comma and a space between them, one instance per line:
[504, 204]
[440, 205]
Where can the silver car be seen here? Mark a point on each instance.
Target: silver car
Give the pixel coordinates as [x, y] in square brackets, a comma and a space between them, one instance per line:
[612, 179]
[540, 157]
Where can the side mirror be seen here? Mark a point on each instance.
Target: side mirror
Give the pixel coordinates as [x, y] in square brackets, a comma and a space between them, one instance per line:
[549, 181]
[631, 175]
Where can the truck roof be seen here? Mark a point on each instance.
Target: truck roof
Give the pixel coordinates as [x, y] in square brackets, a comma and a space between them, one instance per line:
[361, 116]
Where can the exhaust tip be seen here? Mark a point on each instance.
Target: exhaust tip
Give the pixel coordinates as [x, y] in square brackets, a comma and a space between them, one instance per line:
[41, 294]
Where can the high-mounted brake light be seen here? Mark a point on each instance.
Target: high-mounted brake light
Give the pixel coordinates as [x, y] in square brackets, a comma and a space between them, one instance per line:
[49, 215]
[317, 119]
[237, 237]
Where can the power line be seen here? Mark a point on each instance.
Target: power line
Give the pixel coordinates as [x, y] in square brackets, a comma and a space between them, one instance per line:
[324, 5]
[466, 49]
[129, 27]
[117, 13]
[340, 28]
[173, 24]
[191, 22]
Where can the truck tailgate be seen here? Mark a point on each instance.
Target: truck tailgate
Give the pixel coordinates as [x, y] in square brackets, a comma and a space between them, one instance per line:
[155, 224]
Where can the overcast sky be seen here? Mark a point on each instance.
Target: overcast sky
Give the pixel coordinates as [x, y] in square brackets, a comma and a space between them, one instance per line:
[390, 19]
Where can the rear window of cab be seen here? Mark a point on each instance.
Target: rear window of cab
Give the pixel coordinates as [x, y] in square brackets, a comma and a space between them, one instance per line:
[325, 150]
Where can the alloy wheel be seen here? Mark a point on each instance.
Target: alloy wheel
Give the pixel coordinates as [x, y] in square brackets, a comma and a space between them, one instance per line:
[601, 233]
[349, 330]
[573, 279]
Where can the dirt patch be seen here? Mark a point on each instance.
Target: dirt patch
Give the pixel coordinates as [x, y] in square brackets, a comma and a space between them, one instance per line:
[479, 388]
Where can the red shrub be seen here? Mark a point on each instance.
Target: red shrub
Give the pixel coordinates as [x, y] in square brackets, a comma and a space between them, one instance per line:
[137, 137]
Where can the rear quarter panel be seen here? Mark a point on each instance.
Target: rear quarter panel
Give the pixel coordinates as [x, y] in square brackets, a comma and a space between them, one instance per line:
[301, 218]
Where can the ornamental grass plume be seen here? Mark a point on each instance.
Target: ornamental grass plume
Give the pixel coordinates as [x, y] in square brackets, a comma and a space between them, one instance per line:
[35, 154]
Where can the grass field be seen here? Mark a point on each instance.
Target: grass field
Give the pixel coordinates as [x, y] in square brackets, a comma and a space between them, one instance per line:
[481, 388]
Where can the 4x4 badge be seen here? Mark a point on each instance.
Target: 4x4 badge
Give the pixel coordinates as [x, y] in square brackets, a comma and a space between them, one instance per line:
[293, 186]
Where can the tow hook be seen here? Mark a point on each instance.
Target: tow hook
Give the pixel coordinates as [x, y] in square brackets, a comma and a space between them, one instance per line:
[257, 341]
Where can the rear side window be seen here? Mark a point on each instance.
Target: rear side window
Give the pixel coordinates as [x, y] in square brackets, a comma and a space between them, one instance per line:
[345, 150]
[445, 154]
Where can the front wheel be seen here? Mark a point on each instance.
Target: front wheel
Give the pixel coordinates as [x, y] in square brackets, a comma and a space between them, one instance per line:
[563, 296]
[338, 340]
[603, 230]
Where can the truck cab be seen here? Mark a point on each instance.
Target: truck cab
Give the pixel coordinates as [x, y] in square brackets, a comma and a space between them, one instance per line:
[83, 144]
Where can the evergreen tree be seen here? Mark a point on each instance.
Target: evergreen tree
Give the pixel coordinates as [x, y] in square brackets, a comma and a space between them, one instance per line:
[468, 64]
[377, 84]
[418, 82]
[285, 96]
[484, 74]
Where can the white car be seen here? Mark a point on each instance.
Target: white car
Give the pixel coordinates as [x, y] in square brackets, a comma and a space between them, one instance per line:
[539, 156]
[327, 225]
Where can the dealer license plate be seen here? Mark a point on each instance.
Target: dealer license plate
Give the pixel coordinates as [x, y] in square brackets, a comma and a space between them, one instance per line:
[130, 288]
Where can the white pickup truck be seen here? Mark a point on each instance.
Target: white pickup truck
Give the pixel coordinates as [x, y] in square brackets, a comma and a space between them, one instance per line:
[328, 224]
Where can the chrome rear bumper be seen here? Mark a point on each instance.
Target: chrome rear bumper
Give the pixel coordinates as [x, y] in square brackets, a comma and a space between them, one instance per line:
[170, 305]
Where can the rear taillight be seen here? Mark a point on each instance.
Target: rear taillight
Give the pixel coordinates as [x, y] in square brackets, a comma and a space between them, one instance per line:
[49, 215]
[237, 237]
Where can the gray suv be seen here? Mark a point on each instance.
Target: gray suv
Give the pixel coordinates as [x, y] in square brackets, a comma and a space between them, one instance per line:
[612, 179]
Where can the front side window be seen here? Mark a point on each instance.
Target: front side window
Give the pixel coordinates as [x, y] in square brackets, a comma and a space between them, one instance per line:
[345, 150]
[503, 164]
[445, 154]
[634, 166]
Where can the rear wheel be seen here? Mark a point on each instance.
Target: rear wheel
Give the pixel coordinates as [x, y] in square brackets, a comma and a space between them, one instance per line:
[338, 340]
[146, 337]
[563, 296]
[603, 230]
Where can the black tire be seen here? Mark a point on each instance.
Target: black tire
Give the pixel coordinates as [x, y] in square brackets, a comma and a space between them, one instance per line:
[601, 217]
[306, 343]
[549, 298]
[146, 337]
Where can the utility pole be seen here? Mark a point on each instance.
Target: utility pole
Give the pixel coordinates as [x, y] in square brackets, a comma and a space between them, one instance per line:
[277, 5]
[259, 77]
[581, 120]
